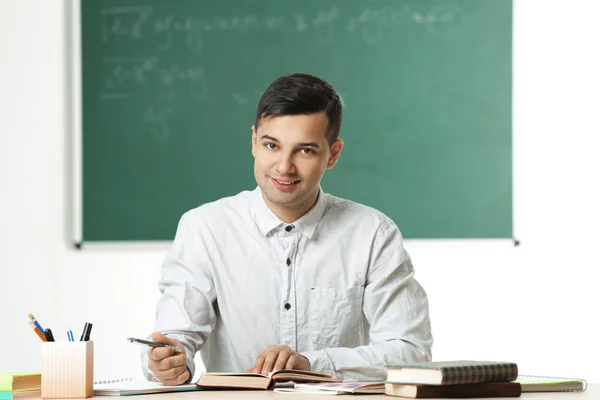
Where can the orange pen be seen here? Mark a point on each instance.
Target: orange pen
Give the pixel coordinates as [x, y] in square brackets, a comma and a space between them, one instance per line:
[38, 332]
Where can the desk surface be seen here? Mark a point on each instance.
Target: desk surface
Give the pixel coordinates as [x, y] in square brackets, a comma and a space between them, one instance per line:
[592, 393]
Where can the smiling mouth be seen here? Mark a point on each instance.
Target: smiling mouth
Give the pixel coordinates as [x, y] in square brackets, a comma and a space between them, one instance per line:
[285, 184]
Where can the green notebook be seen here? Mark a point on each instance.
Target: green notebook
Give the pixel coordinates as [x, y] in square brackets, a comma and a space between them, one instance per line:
[18, 381]
[533, 383]
[20, 394]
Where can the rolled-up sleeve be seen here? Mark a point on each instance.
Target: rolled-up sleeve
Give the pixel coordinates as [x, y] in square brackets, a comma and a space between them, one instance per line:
[185, 310]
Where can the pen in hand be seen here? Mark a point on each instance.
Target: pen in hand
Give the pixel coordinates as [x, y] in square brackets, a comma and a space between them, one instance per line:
[154, 344]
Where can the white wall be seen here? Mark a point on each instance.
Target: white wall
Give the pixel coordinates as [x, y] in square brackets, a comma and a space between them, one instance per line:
[536, 304]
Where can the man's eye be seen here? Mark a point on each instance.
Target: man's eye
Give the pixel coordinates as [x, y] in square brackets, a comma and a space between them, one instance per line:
[270, 146]
[307, 151]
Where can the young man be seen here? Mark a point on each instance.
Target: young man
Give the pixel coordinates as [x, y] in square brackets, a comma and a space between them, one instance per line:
[287, 276]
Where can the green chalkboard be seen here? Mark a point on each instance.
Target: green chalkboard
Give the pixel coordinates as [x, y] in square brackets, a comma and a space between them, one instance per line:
[169, 92]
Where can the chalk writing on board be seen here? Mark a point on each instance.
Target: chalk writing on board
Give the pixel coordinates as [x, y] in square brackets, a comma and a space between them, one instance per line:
[135, 22]
[124, 22]
[157, 120]
[124, 76]
[168, 28]
[443, 19]
[325, 22]
[178, 82]
[371, 24]
[124, 72]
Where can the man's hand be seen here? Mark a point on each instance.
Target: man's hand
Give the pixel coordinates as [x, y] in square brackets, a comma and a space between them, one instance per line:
[275, 358]
[168, 366]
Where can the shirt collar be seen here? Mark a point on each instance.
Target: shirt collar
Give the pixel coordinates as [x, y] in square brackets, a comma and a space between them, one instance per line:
[267, 221]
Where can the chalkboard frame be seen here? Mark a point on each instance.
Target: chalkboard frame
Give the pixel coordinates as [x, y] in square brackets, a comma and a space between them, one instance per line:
[76, 127]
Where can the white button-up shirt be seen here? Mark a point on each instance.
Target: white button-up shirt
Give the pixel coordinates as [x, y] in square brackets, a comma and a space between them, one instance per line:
[336, 286]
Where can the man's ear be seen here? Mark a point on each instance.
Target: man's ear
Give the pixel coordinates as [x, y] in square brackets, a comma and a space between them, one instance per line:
[253, 141]
[334, 153]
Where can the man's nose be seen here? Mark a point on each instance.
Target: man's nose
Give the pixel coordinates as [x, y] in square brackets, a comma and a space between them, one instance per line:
[285, 165]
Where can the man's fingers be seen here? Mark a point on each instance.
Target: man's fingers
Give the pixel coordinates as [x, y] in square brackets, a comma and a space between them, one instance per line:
[160, 338]
[171, 374]
[167, 363]
[273, 358]
[159, 353]
[183, 377]
[174, 377]
[270, 360]
[282, 360]
[170, 370]
[298, 361]
[258, 364]
[168, 366]
[294, 362]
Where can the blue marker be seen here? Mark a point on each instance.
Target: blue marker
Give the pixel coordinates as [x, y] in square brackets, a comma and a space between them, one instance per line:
[70, 336]
[32, 318]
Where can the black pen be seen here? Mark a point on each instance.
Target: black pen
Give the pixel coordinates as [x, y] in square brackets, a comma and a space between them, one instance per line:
[48, 334]
[85, 335]
[154, 344]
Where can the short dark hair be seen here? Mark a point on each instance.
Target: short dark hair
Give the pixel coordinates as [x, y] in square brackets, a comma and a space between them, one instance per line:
[296, 94]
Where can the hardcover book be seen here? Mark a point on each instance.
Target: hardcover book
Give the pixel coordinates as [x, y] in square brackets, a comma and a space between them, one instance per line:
[453, 372]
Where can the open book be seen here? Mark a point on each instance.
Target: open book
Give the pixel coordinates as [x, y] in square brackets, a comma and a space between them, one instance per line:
[224, 380]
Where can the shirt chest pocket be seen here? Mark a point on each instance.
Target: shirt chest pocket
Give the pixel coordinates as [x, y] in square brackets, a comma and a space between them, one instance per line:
[335, 316]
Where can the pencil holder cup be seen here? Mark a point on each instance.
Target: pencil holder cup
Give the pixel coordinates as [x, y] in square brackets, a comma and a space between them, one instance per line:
[67, 370]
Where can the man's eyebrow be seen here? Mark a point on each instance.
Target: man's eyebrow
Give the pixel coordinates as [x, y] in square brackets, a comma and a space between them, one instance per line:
[308, 144]
[267, 137]
[303, 144]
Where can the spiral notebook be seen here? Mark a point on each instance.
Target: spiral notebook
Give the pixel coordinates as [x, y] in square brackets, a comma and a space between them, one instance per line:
[104, 381]
[132, 387]
[536, 383]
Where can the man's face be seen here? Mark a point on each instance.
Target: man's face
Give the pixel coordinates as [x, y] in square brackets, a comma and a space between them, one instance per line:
[291, 155]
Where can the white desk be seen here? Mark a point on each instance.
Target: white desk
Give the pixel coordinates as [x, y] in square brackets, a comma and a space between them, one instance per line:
[592, 393]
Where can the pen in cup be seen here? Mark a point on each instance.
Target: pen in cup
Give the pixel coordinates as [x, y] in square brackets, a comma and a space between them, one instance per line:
[37, 324]
[154, 344]
[38, 332]
[85, 335]
[48, 334]
[70, 336]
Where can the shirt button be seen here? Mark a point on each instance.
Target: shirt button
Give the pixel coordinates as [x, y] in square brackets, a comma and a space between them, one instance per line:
[288, 261]
[287, 306]
[289, 228]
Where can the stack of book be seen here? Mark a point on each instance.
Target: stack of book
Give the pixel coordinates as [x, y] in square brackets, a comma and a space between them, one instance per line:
[453, 379]
[18, 385]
